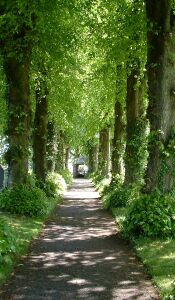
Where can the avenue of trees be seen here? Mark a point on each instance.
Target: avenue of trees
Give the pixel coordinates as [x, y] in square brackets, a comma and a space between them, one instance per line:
[95, 78]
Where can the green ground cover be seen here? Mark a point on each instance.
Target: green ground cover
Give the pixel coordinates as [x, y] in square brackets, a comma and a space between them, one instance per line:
[158, 255]
[15, 237]
[23, 211]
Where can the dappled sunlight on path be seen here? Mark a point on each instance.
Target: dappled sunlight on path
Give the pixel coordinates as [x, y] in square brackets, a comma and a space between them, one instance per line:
[80, 256]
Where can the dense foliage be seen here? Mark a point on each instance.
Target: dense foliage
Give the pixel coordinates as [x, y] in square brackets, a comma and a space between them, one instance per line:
[119, 196]
[24, 200]
[7, 240]
[90, 78]
[152, 215]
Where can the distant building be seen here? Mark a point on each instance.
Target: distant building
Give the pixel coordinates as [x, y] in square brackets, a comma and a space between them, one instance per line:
[79, 167]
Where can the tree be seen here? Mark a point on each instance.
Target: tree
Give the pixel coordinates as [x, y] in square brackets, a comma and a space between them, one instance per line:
[92, 151]
[19, 28]
[104, 151]
[161, 77]
[119, 126]
[60, 154]
[51, 146]
[135, 127]
[40, 128]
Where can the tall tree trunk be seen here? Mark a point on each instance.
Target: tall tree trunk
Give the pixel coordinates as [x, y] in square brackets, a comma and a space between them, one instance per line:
[40, 132]
[135, 152]
[161, 92]
[132, 114]
[93, 158]
[119, 126]
[118, 140]
[90, 160]
[19, 118]
[104, 152]
[67, 152]
[60, 161]
[51, 147]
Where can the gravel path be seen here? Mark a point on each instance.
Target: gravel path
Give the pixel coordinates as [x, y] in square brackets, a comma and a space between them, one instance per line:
[79, 255]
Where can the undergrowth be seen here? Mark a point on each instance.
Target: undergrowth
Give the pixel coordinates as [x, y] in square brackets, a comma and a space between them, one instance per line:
[24, 200]
[67, 176]
[16, 232]
[151, 215]
[148, 221]
[23, 209]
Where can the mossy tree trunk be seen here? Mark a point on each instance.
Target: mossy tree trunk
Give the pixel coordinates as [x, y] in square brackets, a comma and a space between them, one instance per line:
[119, 129]
[134, 127]
[40, 131]
[93, 158]
[60, 159]
[67, 153]
[51, 146]
[118, 140]
[161, 92]
[104, 151]
[19, 118]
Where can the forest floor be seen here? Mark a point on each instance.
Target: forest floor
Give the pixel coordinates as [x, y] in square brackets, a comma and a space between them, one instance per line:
[80, 255]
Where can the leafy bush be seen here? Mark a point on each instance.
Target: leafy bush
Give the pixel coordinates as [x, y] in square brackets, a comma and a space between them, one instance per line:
[31, 180]
[96, 177]
[58, 181]
[151, 215]
[119, 196]
[103, 184]
[66, 174]
[49, 187]
[7, 240]
[114, 199]
[24, 200]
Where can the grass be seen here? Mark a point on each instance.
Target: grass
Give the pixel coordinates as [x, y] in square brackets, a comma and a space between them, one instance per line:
[24, 230]
[158, 256]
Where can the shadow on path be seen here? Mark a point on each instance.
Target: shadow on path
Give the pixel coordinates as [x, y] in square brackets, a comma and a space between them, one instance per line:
[80, 256]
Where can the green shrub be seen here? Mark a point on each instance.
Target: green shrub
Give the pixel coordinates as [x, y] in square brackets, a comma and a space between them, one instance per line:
[96, 177]
[7, 240]
[114, 199]
[102, 185]
[114, 183]
[109, 188]
[31, 180]
[49, 187]
[24, 200]
[54, 184]
[119, 195]
[151, 215]
[66, 174]
[58, 181]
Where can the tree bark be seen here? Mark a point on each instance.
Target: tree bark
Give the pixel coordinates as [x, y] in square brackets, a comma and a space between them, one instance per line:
[67, 152]
[51, 146]
[93, 158]
[119, 130]
[132, 115]
[40, 132]
[118, 140]
[19, 118]
[135, 152]
[60, 159]
[161, 92]
[104, 152]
